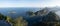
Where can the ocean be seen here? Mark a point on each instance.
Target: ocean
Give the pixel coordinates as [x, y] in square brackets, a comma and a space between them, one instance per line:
[16, 12]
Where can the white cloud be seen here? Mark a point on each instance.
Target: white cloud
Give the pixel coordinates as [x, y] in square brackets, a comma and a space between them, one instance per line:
[51, 3]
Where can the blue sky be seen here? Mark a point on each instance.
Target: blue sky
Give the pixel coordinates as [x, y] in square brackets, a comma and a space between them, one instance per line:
[29, 3]
[19, 3]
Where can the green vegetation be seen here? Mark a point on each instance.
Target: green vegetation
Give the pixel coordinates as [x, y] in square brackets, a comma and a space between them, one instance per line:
[30, 13]
[20, 22]
[2, 17]
[14, 22]
[9, 19]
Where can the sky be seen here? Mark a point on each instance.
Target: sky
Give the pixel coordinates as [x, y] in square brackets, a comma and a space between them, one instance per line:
[49, 3]
[29, 3]
[19, 3]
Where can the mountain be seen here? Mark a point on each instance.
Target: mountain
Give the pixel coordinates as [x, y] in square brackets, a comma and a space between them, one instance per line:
[47, 14]
[43, 17]
[42, 12]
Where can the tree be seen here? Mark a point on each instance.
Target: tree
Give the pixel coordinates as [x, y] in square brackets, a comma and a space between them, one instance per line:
[30, 13]
[20, 22]
[2, 17]
[50, 19]
[9, 20]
